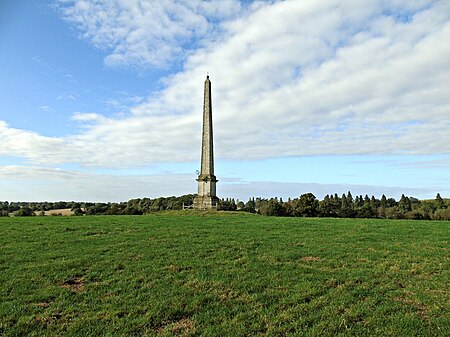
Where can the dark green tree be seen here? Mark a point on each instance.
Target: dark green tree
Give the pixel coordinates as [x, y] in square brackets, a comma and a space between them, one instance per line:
[271, 208]
[307, 205]
[382, 208]
[383, 201]
[439, 201]
[349, 198]
[78, 211]
[404, 205]
[250, 206]
[24, 211]
[346, 210]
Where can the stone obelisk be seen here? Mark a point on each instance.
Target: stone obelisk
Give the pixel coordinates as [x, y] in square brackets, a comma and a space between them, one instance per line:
[206, 197]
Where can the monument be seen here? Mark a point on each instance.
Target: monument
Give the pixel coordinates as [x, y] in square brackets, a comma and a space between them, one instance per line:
[206, 197]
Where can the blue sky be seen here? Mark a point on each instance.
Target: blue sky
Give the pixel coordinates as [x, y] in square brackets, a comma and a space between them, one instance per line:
[101, 100]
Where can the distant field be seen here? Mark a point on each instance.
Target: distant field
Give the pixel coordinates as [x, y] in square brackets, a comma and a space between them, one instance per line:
[183, 274]
[62, 211]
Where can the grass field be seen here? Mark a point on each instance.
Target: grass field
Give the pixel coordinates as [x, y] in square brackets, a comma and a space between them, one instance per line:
[223, 275]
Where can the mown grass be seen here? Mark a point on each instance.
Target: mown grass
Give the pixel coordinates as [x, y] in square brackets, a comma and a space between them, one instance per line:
[223, 275]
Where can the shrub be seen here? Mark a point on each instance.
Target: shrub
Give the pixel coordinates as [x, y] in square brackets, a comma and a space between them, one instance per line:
[78, 211]
[24, 211]
[442, 214]
[394, 213]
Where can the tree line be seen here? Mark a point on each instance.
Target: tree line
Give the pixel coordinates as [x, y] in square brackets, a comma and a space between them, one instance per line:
[347, 206]
[306, 205]
[130, 207]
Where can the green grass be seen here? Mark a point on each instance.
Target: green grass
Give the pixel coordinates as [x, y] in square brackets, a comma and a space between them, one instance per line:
[223, 275]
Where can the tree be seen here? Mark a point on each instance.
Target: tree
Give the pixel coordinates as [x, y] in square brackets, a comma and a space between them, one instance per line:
[367, 210]
[307, 205]
[439, 201]
[391, 203]
[374, 202]
[349, 198]
[233, 205]
[250, 206]
[131, 210]
[227, 205]
[75, 205]
[382, 209]
[97, 209]
[346, 210]
[24, 211]
[383, 201]
[329, 207]
[78, 211]
[404, 205]
[271, 208]
[114, 209]
[358, 202]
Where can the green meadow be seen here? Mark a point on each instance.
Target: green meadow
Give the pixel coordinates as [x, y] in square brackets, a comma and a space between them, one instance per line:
[206, 274]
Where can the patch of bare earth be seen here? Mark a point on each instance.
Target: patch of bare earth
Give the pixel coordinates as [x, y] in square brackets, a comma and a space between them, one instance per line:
[420, 308]
[311, 258]
[48, 319]
[43, 305]
[182, 327]
[75, 284]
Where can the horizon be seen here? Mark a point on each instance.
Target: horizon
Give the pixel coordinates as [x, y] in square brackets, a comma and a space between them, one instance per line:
[103, 100]
[224, 199]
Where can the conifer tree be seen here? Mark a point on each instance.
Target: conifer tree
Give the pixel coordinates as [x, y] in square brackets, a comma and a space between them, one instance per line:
[439, 201]
[383, 201]
[404, 204]
[349, 198]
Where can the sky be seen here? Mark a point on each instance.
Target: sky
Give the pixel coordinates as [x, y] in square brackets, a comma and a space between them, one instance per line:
[102, 100]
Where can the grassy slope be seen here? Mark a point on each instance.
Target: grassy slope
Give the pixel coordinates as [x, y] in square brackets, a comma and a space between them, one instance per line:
[214, 275]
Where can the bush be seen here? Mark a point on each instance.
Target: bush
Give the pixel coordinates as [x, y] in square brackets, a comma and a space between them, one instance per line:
[78, 211]
[24, 211]
[417, 214]
[442, 214]
[393, 213]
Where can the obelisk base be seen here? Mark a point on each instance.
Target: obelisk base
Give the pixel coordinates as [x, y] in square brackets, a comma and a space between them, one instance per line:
[205, 202]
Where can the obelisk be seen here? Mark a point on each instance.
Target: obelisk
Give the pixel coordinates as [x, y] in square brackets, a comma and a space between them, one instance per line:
[206, 197]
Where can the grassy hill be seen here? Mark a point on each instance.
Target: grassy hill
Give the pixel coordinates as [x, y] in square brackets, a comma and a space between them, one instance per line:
[186, 274]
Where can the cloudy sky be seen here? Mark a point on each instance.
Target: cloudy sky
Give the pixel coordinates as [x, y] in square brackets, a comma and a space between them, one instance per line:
[102, 100]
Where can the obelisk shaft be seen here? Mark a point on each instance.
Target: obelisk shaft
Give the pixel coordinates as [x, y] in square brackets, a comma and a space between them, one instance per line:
[207, 136]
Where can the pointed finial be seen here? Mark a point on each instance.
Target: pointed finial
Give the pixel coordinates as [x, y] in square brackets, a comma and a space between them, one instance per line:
[207, 75]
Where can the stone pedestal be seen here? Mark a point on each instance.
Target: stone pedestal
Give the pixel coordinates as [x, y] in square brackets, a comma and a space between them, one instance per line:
[205, 202]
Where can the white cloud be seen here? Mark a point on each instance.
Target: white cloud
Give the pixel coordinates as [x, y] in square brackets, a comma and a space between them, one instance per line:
[289, 78]
[66, 97]
[34, 183]
[86, 117]
[45, 108]
[298, 78]
[145, 33]
[34, 147]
